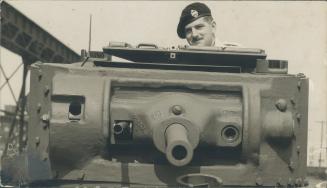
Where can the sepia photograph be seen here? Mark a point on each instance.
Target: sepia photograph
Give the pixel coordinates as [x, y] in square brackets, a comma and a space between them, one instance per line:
[163, 94]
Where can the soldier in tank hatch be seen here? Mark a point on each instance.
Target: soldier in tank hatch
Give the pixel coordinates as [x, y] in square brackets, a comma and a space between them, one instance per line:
[198, 27]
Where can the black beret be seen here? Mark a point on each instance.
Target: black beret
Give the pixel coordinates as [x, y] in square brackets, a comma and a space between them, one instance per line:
[191, 13]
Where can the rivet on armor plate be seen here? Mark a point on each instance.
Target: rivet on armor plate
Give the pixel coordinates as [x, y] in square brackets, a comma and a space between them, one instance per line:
[258, 181]
[37, 140]
[291, 165]
[292, 101]
[281, 104]
[24, 128]
[299, 85]
[39, 106]
[40, 75]
[46, 90]
[24, 138]
[177, 110]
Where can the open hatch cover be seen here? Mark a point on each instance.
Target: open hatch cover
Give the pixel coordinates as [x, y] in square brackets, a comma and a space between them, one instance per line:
[214, 58]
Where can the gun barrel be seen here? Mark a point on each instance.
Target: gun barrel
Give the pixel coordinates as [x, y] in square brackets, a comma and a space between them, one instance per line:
[179, 151]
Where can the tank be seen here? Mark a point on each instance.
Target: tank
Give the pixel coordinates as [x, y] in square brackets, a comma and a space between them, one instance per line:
[165, 117]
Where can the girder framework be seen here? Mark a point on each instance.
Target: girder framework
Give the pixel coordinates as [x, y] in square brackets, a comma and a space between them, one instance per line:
[21, 35]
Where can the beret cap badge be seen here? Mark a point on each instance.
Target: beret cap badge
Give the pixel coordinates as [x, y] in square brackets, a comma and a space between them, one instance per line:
[194, 13]
[191, 13]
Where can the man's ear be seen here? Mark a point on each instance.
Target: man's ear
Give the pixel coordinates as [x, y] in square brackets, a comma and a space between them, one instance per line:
[213, 25]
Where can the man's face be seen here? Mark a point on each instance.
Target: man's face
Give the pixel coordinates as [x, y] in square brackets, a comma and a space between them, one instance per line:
[200, 32]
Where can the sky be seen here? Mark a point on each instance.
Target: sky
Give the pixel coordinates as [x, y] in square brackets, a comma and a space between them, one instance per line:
[295, 31]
